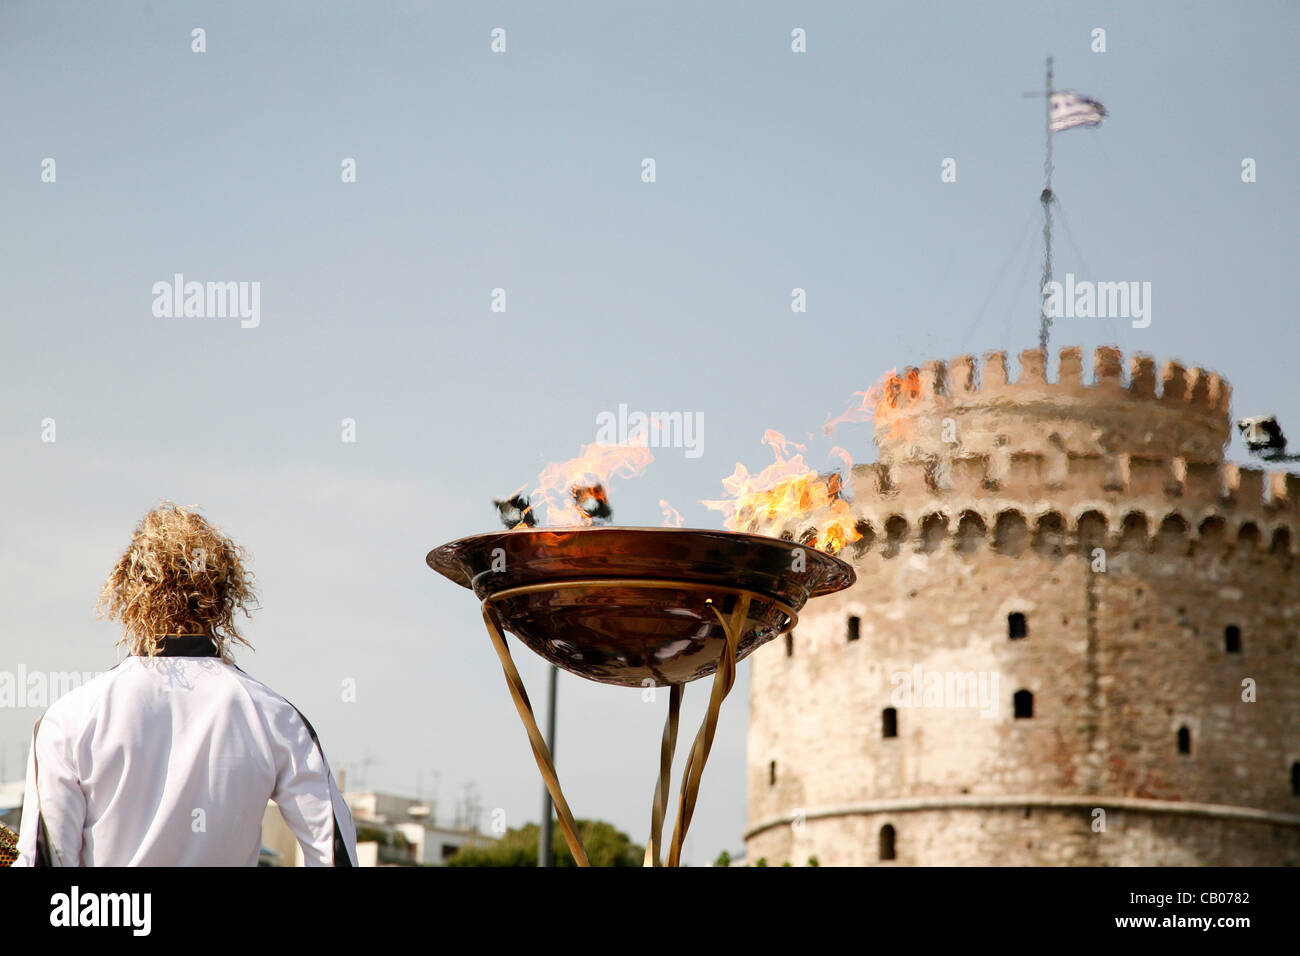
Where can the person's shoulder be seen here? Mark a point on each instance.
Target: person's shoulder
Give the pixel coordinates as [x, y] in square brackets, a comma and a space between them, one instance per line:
[258, 688]
[79, 691]
[267, 698]
[78, 695]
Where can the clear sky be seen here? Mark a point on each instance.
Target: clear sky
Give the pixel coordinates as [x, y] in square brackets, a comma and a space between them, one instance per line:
[523, 171]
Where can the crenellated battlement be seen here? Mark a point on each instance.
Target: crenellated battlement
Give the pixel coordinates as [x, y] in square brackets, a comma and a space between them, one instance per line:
[1028, 476]
[962, 381]
[961, 407]
[1243, 509]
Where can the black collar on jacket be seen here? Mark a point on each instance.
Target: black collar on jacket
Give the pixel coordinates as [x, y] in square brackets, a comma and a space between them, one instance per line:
[186, 645]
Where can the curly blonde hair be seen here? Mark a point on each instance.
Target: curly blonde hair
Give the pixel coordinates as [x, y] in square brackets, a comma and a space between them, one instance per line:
[180, 575]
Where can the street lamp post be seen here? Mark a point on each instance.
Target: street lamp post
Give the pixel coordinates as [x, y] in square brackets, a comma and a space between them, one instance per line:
[544, 845]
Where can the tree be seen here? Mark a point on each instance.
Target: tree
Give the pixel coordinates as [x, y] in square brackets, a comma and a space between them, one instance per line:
[724, 859]
[605, 846]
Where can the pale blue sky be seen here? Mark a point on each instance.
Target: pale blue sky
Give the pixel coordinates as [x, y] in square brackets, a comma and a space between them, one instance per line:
[522, 171]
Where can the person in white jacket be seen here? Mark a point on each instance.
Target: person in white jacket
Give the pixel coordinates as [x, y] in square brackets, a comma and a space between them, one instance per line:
[169, 758]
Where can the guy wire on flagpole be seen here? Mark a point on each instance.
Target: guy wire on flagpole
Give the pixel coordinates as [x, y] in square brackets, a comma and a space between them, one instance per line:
[1045, 321]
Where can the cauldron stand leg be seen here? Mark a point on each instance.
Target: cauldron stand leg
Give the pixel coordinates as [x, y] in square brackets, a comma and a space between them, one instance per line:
[540, 751]
[723, 678]
[666, 750]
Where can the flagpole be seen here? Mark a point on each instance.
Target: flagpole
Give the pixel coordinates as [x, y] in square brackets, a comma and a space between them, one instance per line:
[1045, 322]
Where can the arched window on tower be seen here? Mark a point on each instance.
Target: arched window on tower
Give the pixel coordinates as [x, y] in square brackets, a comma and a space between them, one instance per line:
[887, 842]
[855, 628]
[1232, 639]
[789, 644]
[1023, 703]
[1184, 740]
[889, 722]
[771, 773]
[1017, 626]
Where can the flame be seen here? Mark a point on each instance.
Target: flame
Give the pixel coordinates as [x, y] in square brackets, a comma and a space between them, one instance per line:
[881, 403]
[672, 517]
[780, 443]
[563, 485]
[788, 489]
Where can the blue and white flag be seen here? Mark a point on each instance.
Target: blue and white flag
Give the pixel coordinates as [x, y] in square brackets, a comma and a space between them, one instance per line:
[1070, 110]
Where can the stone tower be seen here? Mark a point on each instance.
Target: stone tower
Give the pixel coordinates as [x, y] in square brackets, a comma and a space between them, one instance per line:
[1072, 639]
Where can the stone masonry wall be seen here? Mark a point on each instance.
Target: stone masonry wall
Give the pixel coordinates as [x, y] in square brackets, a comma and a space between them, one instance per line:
[1128, 587]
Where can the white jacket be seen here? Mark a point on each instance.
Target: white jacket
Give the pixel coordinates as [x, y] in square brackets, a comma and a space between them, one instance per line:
[170, 761]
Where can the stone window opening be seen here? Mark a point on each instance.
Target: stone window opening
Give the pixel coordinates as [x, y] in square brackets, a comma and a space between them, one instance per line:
[771, 773]
[887, 835]
[889, 722]
[1232, 639]
[854, 628]
[1023, 703]
[789, 645]
[1017, 626]
[1295, 779]
[1184, 740]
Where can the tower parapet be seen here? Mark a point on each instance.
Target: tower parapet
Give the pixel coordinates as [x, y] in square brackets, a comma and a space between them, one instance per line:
[953, 443]
[954, 409]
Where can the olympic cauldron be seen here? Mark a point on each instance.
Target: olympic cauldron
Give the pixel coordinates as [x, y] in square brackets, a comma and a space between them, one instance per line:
[638, 607]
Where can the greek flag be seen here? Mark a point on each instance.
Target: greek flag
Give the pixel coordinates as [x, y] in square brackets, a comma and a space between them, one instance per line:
[1070, 110]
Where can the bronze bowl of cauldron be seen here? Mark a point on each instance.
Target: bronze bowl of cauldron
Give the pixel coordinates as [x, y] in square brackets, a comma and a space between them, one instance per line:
[638, 606]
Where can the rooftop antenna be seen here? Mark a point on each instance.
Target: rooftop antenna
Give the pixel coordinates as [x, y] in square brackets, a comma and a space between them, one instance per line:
[365, 763]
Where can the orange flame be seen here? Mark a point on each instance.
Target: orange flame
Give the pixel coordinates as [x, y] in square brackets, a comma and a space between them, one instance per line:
[786, 490]
[881, 403]
[672, 517]
[593, 468]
